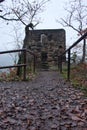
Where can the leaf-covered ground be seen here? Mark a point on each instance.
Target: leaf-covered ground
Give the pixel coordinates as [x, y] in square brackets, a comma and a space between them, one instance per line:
[79, 76]
[45, 103]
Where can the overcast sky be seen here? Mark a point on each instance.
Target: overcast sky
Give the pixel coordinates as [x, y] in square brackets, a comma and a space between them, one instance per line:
[54, 10]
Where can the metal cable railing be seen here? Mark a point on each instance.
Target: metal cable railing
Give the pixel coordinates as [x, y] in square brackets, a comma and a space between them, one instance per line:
[69, 55]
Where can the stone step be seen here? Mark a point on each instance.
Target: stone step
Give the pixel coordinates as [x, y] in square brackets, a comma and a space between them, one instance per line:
[44, 65]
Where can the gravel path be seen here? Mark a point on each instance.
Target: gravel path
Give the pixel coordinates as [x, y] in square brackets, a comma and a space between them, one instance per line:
[45, 103]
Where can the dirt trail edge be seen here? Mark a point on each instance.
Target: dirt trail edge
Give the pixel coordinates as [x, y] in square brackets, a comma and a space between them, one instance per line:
[45, 103]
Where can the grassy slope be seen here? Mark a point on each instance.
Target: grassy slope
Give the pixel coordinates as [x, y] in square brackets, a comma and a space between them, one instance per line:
[78, 76]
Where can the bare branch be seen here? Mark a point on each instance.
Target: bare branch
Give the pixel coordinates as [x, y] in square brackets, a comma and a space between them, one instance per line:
[8, 19]
[76, 19]
[23, 11]
[76, 15]
[1, 1]
[69, 25]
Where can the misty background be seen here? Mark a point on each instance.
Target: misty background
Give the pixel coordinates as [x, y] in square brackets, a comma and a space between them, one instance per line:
[9, 39]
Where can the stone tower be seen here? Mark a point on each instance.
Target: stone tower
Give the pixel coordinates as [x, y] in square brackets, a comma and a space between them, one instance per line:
[45, 44]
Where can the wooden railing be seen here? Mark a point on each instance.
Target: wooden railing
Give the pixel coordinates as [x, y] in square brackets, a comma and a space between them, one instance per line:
[24, 64]
[69, 55]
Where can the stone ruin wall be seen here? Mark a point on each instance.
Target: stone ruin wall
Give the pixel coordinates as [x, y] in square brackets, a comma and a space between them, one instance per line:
[46, 42]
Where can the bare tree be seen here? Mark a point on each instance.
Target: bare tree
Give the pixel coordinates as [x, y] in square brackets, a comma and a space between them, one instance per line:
[76, 19]
[1, 1]
[23, 11]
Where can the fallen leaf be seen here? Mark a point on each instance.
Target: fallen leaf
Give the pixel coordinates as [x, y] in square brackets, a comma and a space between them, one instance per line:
[1, 112]
[76, 118]
[28, 121]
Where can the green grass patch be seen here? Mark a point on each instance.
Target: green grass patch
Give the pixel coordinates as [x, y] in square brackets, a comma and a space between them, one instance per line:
[78, 76]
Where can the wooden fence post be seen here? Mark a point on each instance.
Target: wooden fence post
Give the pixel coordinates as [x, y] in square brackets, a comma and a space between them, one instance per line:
[25, 65]
[34, 63]
[68, 72]
[60, 63]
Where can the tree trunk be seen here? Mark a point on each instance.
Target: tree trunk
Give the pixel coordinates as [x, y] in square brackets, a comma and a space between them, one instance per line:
[84, 50]
[25, 45]
[20, 61]
[27, 34]
[26, 39]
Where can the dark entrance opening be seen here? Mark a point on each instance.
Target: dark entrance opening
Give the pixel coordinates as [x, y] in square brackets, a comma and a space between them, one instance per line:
[44, 62]
[44, 56]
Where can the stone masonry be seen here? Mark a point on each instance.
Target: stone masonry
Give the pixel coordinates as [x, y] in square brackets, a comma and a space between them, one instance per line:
[46, 44]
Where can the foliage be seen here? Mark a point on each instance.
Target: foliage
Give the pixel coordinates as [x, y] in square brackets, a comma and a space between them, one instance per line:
[78, 75]
[11, 75]
[7, 76]
[74, 57]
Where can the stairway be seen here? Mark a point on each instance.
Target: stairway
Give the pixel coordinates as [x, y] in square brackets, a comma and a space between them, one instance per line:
[45, 65]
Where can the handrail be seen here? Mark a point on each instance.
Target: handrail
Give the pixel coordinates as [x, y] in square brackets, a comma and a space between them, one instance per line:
[74, 44]
[69, 51]
[20, 65]
[12, 51]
